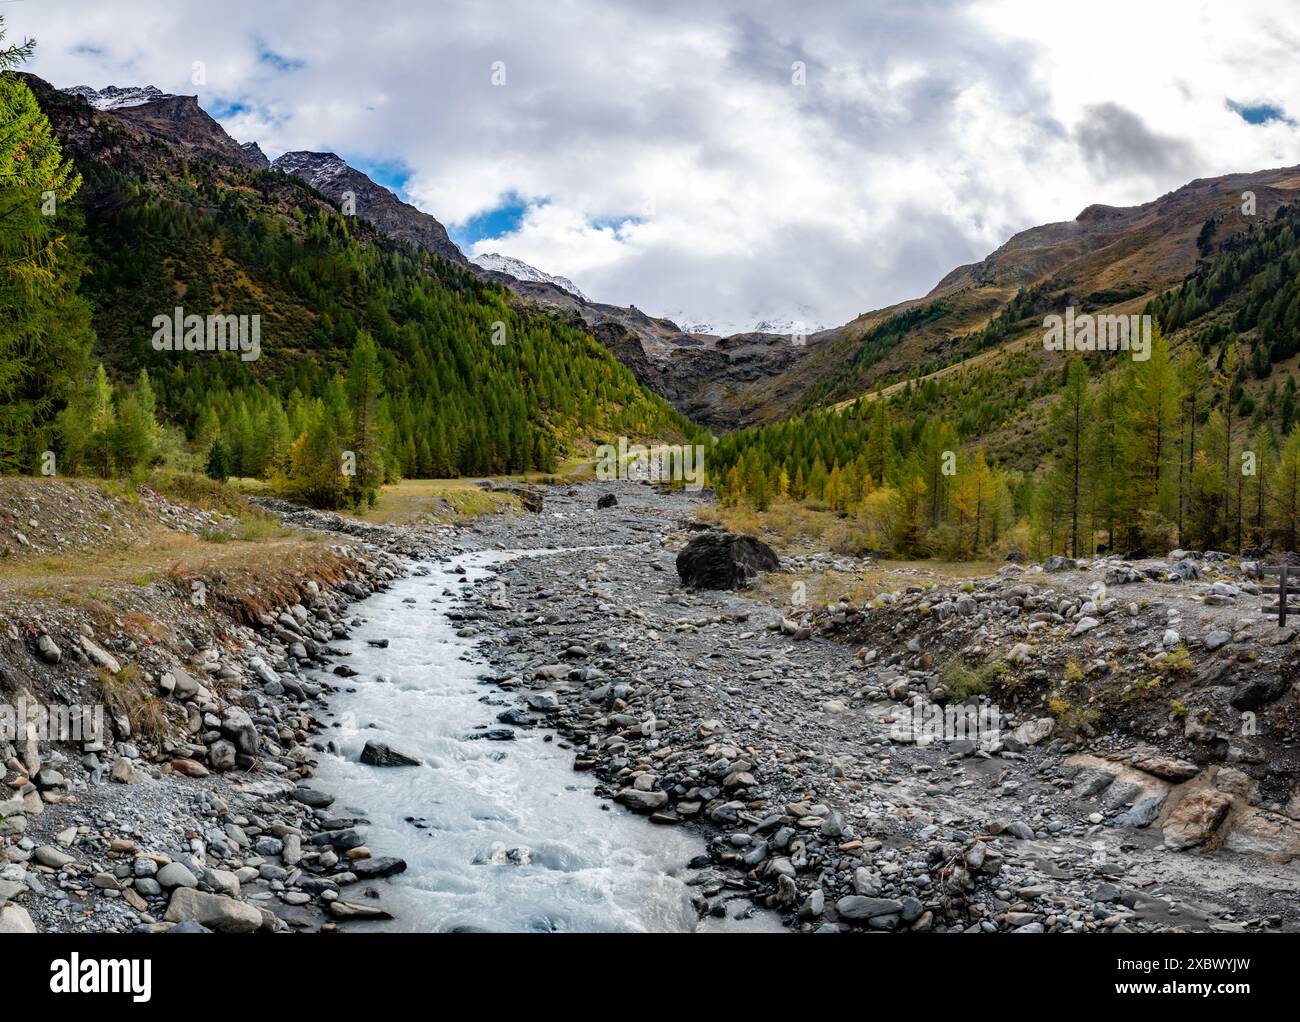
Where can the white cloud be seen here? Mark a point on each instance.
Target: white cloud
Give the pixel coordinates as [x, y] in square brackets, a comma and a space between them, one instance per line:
[670, 162]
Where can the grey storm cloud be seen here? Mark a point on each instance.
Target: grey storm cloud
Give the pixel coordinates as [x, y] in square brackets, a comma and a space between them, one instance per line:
[1116, 141]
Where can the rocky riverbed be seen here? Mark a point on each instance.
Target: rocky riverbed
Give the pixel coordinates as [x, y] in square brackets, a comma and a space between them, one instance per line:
[808, 768]
[795, 747]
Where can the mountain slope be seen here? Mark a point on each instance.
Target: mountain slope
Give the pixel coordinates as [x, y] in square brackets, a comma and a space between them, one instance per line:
[218, 237]
[181, 121]
[1108, 259]
[688, 371]
[1020, 449]
[710, 378]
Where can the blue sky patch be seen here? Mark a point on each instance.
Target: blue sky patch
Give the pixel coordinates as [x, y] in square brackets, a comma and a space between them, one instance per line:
[278, 60]
[221, 109]
[392, 174]
[1259, 113]
[495, 222]
[616, 223]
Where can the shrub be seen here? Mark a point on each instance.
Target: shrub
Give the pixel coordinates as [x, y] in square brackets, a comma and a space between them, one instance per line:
[1177, 663]
[961, 682]
[1072, 720]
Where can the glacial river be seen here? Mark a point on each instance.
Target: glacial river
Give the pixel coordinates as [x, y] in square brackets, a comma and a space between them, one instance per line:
[497, 835]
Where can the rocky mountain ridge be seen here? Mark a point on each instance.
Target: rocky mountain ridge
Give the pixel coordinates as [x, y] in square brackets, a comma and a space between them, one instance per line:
[330, 175]
[113, 97]
[696, 373]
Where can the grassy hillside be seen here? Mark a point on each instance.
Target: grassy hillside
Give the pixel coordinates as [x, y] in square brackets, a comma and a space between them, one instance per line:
[1015, 447]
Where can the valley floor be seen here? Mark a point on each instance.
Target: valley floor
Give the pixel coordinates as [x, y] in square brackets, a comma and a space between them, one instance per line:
[785, 740]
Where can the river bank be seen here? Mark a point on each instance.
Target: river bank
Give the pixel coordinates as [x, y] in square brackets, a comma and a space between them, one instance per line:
[192, 807]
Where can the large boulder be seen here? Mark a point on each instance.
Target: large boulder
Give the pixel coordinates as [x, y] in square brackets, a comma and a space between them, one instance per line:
[724, 560]
[14, 919]
[239, 728]
[216, 912]
[1196, 818]
[1030, 733]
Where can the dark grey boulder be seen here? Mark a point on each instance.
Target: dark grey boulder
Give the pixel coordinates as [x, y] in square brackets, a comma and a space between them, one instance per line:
[311, 797]
[374, 869]
[492, 734]
[724, 560]
[1257, 692]
[378, 754]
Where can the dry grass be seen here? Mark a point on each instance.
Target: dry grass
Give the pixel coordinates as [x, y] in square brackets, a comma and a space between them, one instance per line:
[251, 528]
[201, 492]
[795, 529]
[413, 501]
[799, 529]
[95, 581]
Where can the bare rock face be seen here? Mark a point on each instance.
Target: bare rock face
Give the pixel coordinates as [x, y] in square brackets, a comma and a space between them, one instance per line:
[518, 269]
[333, 178]
[1195, 819]
[180, 120]
[724, 560]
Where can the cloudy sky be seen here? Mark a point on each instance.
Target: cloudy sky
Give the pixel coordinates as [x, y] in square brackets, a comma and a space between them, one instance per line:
[728, 161]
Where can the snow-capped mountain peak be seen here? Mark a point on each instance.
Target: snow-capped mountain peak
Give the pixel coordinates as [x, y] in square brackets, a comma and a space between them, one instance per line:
[112, 97]
[317, 169]
[520, 270]
[787, 325]
[803, 324]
